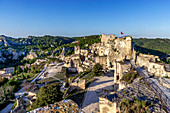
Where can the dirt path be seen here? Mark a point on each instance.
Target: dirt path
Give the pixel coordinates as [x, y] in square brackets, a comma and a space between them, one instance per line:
[91, 100]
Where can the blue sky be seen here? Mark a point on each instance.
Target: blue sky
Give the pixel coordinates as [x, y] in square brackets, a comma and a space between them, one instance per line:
[139, 18]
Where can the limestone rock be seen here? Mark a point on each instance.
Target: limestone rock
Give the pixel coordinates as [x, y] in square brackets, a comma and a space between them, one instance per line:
[31, 55]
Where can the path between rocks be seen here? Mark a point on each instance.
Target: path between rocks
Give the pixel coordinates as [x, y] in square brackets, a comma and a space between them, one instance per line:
[91, 99]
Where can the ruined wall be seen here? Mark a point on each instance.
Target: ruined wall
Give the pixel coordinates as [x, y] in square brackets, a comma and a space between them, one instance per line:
[144, 60]
[78, 84]
[84, 52]
[101, 60]
[149, 61]
[158, 69]
[105, 38]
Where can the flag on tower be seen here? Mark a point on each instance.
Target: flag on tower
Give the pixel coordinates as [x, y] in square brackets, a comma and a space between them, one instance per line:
[121, 33]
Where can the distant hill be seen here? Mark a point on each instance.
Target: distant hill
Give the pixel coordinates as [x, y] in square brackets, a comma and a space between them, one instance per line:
[41, 43]
[12, 50]
[152, 46]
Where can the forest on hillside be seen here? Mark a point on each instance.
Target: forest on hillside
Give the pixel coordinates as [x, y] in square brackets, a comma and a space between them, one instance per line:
[162, 45]
[44, 43]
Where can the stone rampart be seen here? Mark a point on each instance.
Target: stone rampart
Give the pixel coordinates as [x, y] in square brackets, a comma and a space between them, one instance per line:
[149, 62]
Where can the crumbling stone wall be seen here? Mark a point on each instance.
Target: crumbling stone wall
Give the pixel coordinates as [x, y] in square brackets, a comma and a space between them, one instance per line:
[78, 84]
[101, 60]
[106, 106]
[149, 62]
[120, 69]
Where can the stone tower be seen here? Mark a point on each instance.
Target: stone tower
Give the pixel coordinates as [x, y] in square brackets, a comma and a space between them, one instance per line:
[76, 49]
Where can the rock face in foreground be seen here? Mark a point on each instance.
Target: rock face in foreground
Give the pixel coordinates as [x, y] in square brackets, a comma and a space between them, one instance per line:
[134, 97]
[64, 106]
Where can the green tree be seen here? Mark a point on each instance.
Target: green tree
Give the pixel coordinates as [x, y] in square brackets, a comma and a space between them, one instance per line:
[25, 69]
[19, 70]
[14, 72]
[97, 70]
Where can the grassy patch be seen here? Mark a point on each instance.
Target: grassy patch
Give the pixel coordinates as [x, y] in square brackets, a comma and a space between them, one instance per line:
[47, 80]
[129, 77]
[62, 75]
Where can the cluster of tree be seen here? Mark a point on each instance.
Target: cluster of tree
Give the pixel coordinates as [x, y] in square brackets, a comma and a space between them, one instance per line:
[7, 89]
[54, 95]
[97, 70]
[18, 70]
[135, 105]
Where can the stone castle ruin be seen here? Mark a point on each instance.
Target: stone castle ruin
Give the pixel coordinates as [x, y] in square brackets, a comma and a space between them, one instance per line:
[116, 54]
[110, 53]
[112, 50]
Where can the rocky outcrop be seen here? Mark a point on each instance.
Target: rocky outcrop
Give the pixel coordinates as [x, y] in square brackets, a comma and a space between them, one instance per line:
[2, 59]
[4, 41]
[137, 90]
[21, 103]
[31, 55]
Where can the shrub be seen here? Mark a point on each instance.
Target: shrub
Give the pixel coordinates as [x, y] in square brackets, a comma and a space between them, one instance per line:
[135, 105]
[129, 77]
